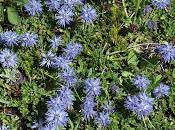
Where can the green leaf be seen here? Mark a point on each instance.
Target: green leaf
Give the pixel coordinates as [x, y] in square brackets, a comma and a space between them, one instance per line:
[13, 16]
[132, 58]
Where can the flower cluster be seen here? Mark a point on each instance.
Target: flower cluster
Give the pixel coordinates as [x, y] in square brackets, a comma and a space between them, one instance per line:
[64, 9]
[142, 104]
[161, 4]
[141, 82]
[167, 52]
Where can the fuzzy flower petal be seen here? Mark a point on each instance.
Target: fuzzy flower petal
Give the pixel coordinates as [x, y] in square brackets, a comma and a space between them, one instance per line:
[9, 38]
[161, 91]
[48, 59]
[88, 14]
[8, 59]
[141, 82]
[55, 42]
[103, 119]
[53, 5]
[92, 87]
[64, 16]
[167, 52]
[33, 7]
[161, 4]
[28, 39]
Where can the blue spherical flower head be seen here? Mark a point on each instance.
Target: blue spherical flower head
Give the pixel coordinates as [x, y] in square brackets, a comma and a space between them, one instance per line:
[88, 108]
[103, 119]
[141, 82]
[88, 14]
[53, 5]
[28, 39]
[56, 103]
[3, 127]
[68, 76]
[161, 91]
[167, 52]
[9, 38]
[56, 42]
[72, 50]
[8, 59]
[92, 86]
[33, 7]
[72, 3]
[141, 104]
[57, 117]
[108, 107]
[147, 9]
[64, 16]
[47, 59]
[152, 24]
[161, 4]
[61, 62]
[67, 97]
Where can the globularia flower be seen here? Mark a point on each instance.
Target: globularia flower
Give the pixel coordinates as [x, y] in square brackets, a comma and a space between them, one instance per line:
[61, 62]
[88, 108]
[56, 117]
[103, 119]
[28, 39]
[141, 82]
[161, 90]
[88, 14]
[33, 7]
[8, 58]
[55, 42]
[53, 5]
[67, 97]
[9, 38]
[47, 59]
[72, 50]
[152, 24]
[141, 104]
[147, 9]
[68, 76]
[92, 86]
[64, 16]
[72, 3]
[108, 107]
[3, 127]
[167, 52]
[161, 4]
[56, 103]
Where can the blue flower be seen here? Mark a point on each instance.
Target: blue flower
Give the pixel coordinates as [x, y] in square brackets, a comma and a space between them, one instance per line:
[64, 16]
[161, 4]
[55, 42]
[88, 108]
[67, 97]
[53, 5]
[28, 39]
[141, 104]
[141, 82]
[161, 90]
[56, 117]
[72, 3]
[88, 14]
[108, 107]
[33, 7]
[3, 127]
[48, 59]
[92, 86]
[61, 62]
[147, 9]
[56, 103]
[8, 59]
[103, 119]
[72, 50]
[68, 76]
[9, 38]
[167, 52]
[152, 24]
